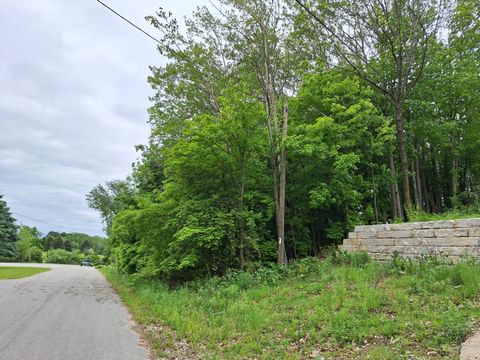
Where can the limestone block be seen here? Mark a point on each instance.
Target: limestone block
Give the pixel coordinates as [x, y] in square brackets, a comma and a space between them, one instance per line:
[371, 228]
[406, 242]
[381, 249]
[405, 226]
[454, 242]
[458, 251]
[366, 234]
[466, 223]
[425, 250]
[445, 224]
[450, 232]
[422, 241]
[474, 231]
[405, 250]
[423, 233]
[352, 235]
[378, 242]
[395, 234]
[351, 242]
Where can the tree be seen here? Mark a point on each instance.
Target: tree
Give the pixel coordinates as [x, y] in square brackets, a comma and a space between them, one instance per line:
[110, 198]
[337, 151]
[28, 239]
[54, 240]
[213, 190]
[386, 43]
[8, 232]
[210, 215]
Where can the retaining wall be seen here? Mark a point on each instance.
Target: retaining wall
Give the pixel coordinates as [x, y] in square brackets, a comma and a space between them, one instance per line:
[455, 238]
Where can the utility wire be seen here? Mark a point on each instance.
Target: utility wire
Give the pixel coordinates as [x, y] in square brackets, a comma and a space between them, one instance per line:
[51, 224]
[128, 21]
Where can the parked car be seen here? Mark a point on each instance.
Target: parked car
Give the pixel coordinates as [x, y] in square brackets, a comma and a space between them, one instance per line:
[86, 262]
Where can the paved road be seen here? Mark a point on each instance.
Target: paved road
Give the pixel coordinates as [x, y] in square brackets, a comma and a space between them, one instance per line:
[69, 312]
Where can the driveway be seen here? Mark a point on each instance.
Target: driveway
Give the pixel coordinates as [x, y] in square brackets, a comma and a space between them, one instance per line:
[69, 312]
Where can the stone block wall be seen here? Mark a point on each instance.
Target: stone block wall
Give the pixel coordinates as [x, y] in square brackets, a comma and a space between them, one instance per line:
[455, 238]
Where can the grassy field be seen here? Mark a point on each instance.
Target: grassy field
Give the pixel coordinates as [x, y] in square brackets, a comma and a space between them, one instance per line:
[17, 272]
[345, 307]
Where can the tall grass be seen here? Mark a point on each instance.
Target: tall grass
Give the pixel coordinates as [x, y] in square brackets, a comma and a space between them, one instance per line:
[344, 307]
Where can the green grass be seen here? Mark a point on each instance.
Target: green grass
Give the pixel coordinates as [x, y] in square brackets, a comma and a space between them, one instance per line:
[17, 272]
[448, 215]
[344, 308]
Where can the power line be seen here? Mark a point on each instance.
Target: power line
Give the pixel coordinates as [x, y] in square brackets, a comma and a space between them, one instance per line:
[128, 21]
[51, 224]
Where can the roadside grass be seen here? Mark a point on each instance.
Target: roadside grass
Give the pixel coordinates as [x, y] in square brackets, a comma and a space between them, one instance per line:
[17, 272]
[345, 307]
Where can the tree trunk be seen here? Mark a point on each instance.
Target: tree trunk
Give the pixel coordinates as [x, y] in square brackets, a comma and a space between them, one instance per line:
[426, 193]
[415, 187]
[454, 179]
[396, 192]
[375, 202]
[282, 255]
[393, 202]
[242, 227]
[419, 183]
[402, 148]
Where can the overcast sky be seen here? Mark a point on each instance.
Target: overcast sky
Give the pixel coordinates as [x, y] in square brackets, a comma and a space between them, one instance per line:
[73, 103]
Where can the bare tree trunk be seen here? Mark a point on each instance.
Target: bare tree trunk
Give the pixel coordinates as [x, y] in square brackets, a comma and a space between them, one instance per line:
[242, 227]
[401, 138]
[393, 202]
[454, 179]
[375, 202]
[396, 192]
[419, 183]
[282, 255]
[415, 187]
[437, 189]
[426, 196]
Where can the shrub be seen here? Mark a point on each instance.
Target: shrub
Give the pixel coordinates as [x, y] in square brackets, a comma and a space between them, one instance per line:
[60, 256]
[36, 254]
[340, 257]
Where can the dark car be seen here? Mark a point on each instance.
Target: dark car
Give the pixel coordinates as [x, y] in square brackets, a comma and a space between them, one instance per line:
[86, 262]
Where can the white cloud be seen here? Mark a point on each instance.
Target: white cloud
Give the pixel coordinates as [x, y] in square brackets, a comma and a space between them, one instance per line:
[73, 103]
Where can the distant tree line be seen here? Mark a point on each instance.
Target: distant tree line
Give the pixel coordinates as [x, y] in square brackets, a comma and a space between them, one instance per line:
[278, 125]
[57, 247]
[26, 244]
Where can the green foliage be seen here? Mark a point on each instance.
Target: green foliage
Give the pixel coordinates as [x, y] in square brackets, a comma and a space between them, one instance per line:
[35, 254]
[111, 198]
[337, 135]
[203, 197]
[28, 244]
[339, 257]
[61, 256]
[8, 232]
[61, 248]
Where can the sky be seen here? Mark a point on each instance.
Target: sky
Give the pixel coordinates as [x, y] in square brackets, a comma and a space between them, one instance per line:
[73, 103]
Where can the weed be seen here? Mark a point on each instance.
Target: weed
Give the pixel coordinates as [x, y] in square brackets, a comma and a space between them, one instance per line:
[346, 303]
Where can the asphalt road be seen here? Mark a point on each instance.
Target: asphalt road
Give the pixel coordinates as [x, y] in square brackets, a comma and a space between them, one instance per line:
[69, 312]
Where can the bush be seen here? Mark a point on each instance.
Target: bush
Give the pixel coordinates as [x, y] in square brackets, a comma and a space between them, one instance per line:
[60, 256]
[36, 254]
[126, 258]
[340, 257]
